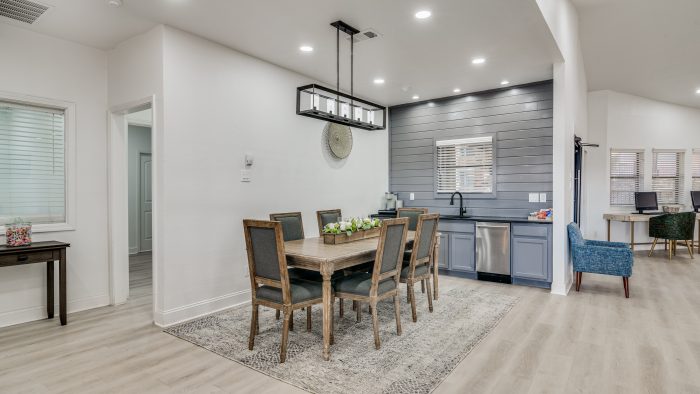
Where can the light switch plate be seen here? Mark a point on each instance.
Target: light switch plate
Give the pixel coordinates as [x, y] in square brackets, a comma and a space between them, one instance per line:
[534, 197]
[543, 197]
[412, 196]
[245, 175]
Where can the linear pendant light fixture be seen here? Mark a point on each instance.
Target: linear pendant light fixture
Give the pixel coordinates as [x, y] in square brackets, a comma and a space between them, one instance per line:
[316, 101]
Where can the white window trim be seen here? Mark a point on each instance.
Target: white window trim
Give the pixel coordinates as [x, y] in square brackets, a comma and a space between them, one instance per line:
[70, 157]
[494, 167]
[643, 170]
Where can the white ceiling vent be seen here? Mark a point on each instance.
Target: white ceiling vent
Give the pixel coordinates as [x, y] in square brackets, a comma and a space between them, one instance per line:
[22, 10]
[364, 35]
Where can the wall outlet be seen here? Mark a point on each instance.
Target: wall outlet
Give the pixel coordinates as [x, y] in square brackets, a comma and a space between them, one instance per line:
[543, 197]
[245, 175]
[534, 197]
[412, 196]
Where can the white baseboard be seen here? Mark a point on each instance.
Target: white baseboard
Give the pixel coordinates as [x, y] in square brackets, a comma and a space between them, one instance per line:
[200, 308]
[39, 312]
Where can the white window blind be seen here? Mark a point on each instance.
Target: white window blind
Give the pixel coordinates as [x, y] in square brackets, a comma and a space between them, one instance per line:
[626, 175]
[667, 176]
[32, 164]
[465, 165]
[696, 170]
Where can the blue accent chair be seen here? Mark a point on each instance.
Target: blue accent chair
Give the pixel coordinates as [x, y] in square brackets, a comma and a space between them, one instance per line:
[600, 257]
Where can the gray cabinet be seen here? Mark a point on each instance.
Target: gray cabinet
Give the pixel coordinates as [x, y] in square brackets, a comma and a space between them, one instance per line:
[444, 257]
[462, 252]
[457, 247]
[531, 254]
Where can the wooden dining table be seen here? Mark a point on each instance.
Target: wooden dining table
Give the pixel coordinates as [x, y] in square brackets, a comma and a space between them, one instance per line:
[312, 254]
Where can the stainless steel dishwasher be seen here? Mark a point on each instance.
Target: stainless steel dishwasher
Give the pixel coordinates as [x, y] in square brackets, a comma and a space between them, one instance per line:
[493, 251]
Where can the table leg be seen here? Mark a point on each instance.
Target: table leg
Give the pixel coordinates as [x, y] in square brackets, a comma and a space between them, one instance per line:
[49, 289]
[436, 257]
[632, 235]
[608, 230]
[327, 312]
[698, 235]
[62, 288]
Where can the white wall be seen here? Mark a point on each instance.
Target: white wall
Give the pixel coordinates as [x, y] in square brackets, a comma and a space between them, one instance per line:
[219, 105]
[621, 120]
[570, 117]
[46, 67]
[139, 142]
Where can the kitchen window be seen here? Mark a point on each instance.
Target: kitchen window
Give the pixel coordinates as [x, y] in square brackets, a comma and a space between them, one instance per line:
[465, 165]
[33, 163]
[696, 170]
[626, 175]
[667, 176]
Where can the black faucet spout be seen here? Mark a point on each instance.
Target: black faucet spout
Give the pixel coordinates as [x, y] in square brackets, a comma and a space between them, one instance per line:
[462, 210]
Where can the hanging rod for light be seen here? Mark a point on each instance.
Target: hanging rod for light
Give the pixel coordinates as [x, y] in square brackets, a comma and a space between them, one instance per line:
[323, 103]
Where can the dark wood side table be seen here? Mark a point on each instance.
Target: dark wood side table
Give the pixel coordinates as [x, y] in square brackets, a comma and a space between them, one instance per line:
[42, 252]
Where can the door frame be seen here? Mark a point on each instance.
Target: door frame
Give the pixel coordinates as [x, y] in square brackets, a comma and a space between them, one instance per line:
[118, 206]
[140, 227]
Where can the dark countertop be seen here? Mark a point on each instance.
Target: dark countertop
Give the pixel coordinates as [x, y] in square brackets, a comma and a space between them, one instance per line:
[493, 219]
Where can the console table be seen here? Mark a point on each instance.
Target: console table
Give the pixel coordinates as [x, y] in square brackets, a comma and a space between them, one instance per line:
[42, 252]
[633, 218]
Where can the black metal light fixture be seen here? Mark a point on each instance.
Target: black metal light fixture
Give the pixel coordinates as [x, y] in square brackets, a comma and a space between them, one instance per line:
[316, 101]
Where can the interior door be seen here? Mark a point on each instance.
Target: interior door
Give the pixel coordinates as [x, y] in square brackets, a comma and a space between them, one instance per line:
[146, 205]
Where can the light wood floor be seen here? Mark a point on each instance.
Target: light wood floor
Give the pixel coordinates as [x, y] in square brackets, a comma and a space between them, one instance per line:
[595, 341]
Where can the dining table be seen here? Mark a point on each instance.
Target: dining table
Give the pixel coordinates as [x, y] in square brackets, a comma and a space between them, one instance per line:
[315, 255]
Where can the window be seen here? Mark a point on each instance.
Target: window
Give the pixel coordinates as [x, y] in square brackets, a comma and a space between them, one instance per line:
[667, 176]
[696, 170]
[626, 175]
[32, 163]
[465, 165]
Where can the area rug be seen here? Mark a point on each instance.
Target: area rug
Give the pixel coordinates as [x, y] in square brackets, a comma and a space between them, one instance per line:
[415, 362]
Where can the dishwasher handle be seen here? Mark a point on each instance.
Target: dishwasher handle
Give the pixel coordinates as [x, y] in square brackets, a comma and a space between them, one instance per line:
[504, 225]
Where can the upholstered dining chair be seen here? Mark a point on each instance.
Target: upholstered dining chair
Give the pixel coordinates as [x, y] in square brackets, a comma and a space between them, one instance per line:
[292, 225]
[412, 215]
[327, 216]
[673, 227]
[383, 281]
[269, 280]
[417, 268]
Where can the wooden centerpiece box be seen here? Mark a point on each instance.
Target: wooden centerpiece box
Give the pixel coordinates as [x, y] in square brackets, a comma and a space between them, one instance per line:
[334, 239]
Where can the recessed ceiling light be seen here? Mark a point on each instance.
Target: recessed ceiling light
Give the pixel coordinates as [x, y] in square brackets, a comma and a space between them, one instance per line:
[306, 48]
[505, 82]
[114, 3]
[378, 81]
[423, 14]
[478, 60]
[457, 90]
[415, 97]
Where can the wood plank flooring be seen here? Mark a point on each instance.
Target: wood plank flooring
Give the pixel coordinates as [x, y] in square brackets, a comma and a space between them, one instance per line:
[594, 341]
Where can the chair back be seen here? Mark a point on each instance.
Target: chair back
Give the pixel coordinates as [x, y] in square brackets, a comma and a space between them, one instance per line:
[673, 226]
[392, 241]
[292, 225]
[424, 241]
[267, 263]
[412, 215]
[327, 216]
[575, 237]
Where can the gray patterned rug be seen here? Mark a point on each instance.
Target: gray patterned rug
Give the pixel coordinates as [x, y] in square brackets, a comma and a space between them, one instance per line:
[415, 362]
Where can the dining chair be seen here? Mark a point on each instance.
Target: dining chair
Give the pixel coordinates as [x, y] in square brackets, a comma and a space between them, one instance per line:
[292, 225]
[327, 216]
[412, 215]
[269, 279]
[417, 268]
[383, 281]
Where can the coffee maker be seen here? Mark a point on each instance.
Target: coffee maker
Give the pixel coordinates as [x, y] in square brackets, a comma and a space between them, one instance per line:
[390, 200]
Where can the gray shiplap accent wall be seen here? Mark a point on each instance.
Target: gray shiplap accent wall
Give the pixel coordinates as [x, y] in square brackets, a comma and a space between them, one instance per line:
[521, 119]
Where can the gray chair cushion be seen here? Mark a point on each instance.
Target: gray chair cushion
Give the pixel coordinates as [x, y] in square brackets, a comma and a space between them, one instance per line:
[361, 282]
[301, 290]
[420, 270]
[426, 232]
[315, 276]
[265, 258]
[412, 218]
[292, 227]
[330, 217]
[392, 248]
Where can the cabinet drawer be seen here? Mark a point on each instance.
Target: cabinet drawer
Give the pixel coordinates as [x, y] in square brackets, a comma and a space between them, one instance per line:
[456, 226]
[530, 230]
[27, 258]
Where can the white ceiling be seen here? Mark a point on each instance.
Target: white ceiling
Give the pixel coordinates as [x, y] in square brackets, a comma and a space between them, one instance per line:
[425, 57]
[648, 48]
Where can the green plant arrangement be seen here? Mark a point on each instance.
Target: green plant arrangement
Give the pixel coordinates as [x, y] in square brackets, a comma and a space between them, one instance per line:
[350, 226]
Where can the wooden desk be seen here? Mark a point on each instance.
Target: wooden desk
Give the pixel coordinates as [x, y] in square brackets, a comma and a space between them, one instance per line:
[42, 252]
[633, 218]
[314, 255]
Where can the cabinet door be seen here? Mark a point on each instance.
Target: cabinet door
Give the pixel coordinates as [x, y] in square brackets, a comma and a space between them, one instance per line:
[462, 252]
[444, 257]
[530, 258]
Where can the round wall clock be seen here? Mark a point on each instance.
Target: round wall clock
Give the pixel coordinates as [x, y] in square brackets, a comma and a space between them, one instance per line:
[339, 139]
